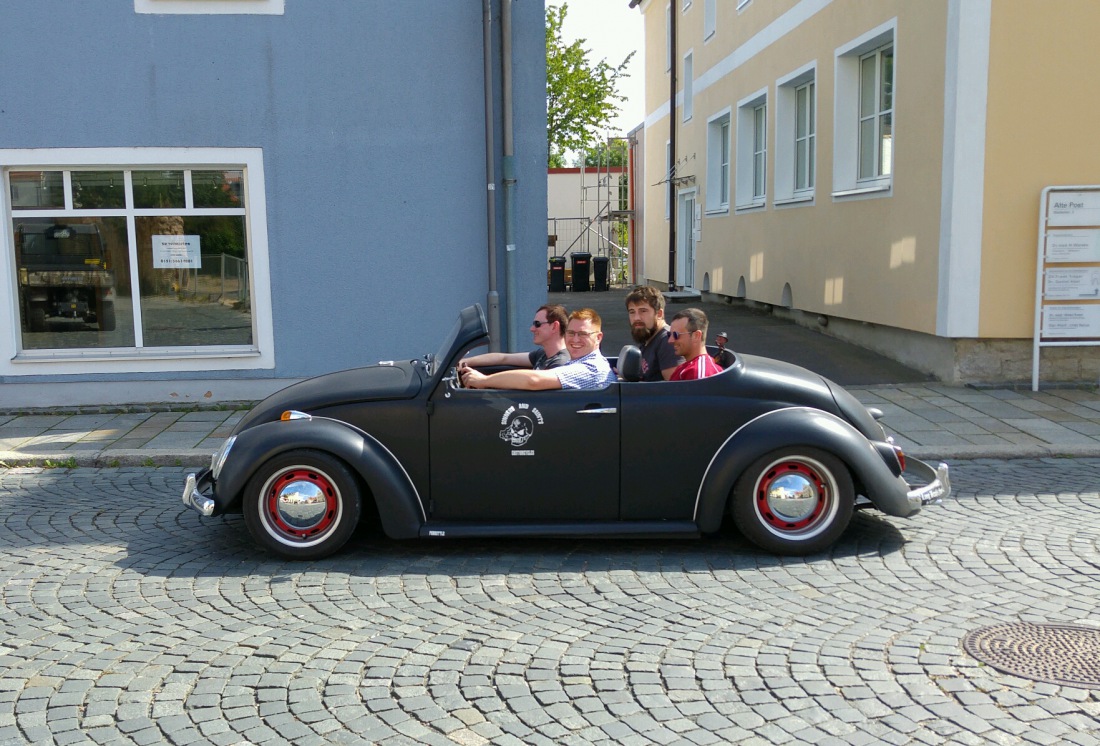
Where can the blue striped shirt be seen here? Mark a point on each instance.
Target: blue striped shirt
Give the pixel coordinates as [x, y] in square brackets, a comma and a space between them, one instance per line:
[589, 372]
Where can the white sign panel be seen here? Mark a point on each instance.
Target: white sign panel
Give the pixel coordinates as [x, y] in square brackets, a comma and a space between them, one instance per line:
[1073, 246]
[1066, 322]
[176, 252]
[1074, 208]
[1072, 283]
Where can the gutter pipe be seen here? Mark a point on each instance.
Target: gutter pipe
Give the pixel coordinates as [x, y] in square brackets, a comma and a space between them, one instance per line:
[508, 168]
[492, 299]
[672, 149]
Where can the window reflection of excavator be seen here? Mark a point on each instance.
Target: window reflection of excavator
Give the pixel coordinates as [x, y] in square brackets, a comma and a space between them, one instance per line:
[63, 273]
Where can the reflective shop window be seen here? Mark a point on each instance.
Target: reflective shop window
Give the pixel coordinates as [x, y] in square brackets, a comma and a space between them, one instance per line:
[74, 282]
[76, 269]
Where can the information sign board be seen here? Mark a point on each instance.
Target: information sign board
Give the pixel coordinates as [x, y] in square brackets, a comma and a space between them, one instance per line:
[1067, 276]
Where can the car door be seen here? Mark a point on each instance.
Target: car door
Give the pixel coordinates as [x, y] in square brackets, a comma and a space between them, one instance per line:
[524, 456]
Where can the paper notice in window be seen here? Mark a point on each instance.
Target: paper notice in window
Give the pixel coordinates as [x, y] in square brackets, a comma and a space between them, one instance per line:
[176, 252]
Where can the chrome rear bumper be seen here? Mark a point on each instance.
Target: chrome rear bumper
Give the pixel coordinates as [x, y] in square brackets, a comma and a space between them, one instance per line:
[936, 489]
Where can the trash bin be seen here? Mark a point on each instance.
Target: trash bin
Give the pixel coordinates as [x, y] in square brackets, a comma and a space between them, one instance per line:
[582, 265]
[557, 274]
[601, 265]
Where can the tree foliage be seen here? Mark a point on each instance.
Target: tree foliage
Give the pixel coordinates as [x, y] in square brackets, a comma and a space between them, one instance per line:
[581, 96]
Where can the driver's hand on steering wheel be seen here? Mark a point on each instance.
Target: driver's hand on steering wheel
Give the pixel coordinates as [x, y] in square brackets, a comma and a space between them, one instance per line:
[470, 377]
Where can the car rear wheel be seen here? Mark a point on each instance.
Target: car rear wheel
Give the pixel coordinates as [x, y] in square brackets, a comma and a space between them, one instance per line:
[302, 504]
[794, 501]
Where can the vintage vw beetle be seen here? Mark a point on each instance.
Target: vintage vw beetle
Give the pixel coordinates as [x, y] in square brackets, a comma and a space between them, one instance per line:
[788, 454]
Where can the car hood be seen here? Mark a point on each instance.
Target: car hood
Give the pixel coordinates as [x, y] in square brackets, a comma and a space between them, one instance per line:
[372, 383]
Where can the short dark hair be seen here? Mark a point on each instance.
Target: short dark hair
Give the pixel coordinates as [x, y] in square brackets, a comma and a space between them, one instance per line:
[696, 320]
[555, 312]
[648, 295]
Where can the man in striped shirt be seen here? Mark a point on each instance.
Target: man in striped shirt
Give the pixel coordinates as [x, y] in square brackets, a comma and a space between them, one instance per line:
[688, 333]
[587, 368]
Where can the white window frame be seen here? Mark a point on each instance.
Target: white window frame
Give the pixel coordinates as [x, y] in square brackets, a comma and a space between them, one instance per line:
[846, 115]
[689, 85]
[710, 18]
[719, 156]
[259, 355]
[211, 7]
[750, 191]
[787, 88]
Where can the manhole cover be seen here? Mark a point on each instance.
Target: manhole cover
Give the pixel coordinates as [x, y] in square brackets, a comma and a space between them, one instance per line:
[1065, 654]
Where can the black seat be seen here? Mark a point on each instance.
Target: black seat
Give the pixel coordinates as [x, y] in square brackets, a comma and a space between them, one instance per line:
[630, 363]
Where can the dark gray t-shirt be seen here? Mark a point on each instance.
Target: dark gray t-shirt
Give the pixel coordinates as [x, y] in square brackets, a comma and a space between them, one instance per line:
[658, 355]
[539, 360]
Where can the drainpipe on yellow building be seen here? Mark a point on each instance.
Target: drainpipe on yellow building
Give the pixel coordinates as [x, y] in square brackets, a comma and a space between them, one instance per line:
[672, 147]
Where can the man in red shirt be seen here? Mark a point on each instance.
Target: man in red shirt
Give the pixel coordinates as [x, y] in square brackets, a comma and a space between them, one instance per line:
[688, 333]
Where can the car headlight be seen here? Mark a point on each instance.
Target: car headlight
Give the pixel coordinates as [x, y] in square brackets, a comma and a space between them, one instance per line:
[217, 461]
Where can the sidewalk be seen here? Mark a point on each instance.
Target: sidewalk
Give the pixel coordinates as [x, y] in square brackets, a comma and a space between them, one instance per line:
[929, 421]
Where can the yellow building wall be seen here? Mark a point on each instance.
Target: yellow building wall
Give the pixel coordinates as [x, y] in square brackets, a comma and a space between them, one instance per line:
[872, 259]
[1043, 116]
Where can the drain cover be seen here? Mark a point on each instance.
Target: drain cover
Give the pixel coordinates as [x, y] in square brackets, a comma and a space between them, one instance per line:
[1065, 654]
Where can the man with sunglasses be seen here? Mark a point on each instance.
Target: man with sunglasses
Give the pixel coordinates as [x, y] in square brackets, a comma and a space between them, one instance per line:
[547, 331]
[645, 307]
[689, 334]
[587, 367]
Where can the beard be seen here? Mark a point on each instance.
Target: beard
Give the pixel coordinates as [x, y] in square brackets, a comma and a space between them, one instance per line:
[642, 334]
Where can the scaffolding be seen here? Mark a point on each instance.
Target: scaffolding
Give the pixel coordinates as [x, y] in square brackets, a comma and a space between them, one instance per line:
[602, 229]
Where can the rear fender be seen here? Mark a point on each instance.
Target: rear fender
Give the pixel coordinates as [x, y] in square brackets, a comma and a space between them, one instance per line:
[399, 504]
[797, 426]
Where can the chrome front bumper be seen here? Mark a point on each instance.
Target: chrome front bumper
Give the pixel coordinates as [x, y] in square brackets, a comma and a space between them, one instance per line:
[192, 493]
[937, 485]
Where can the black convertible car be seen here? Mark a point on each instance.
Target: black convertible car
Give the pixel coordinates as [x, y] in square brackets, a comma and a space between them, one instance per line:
[788, 454]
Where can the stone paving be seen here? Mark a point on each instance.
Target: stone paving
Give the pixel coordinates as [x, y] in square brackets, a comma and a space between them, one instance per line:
[130, 620]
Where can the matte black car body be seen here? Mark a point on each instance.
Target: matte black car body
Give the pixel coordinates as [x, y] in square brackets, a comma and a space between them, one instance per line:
[786, 452]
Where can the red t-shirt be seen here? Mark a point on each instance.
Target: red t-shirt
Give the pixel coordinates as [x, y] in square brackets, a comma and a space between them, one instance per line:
[700, 367]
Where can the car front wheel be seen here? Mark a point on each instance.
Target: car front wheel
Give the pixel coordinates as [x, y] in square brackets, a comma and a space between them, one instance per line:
[302, 504]
[794, 501]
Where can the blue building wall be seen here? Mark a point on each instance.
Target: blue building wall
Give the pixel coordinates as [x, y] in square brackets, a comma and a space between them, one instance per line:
[370, 115]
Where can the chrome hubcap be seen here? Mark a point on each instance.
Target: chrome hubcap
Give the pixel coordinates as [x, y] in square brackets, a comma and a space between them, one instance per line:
[301, 504]
[792, 497]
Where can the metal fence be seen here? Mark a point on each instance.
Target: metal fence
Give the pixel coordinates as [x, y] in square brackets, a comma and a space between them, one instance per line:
[566, 236]
[222, 278]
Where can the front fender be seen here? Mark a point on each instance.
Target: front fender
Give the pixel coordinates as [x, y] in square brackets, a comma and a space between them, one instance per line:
[399, 504]
[797, 426]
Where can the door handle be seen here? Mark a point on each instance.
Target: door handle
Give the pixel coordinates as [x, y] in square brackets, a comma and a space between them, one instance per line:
[600, 410]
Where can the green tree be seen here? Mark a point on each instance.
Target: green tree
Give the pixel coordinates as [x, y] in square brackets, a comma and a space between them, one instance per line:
[581, 97]
[602, 155]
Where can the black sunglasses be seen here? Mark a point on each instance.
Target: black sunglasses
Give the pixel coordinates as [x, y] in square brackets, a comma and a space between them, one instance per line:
[537, 324]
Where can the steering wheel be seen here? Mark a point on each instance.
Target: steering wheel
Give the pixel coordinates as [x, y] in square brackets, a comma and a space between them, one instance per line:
[454, 378]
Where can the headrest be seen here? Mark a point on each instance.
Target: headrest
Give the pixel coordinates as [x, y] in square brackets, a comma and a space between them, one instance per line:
[630, 363]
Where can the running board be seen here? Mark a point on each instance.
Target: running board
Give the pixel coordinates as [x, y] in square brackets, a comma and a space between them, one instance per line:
[622, 529]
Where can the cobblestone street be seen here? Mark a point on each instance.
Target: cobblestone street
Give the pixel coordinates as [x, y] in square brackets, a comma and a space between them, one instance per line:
[130, 620]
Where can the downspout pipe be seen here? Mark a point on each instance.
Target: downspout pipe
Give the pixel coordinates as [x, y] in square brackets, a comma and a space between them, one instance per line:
[672, 148]
[492, 299]
[508, 169]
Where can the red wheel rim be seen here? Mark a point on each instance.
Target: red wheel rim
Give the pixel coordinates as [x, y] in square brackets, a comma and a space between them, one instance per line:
[793, 496]
[301, 504]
